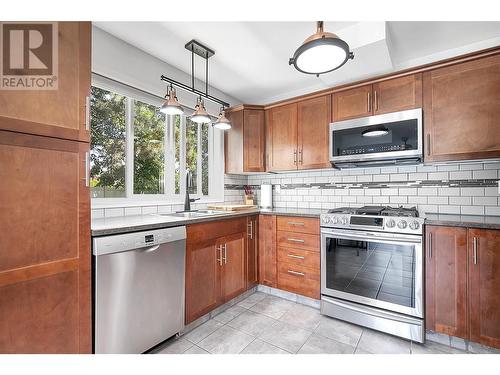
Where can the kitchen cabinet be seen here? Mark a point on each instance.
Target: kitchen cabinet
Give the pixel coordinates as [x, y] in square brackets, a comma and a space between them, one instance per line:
[252, 251]
[61, 113]
[215, 265]
[391, 95]
[267, 250]
[484, 286]
[463, 283]
[298, 242]
[282, 137]
[298, 135]
[313, 141]
[461, 111]
[245, 142]
[446, 280]
[352, 103]
[45, 275]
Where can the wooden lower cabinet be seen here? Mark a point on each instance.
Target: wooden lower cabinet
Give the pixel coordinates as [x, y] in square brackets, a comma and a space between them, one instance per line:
[446, 280]
[45, 294]
[252, 251]
[267, 250]
[215, 265]
[484, 286]
[463, 283]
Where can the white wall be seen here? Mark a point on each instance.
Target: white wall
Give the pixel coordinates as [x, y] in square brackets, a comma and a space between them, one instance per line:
[116, 59]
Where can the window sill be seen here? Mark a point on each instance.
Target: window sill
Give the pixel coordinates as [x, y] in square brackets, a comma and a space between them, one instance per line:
[119, 203]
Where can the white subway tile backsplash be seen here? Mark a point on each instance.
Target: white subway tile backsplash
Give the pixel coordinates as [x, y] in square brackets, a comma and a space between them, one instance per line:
[372, 192]
[417, 200]
[447, 168]
[426, 168]
[356, 192]
[381, 178]
[486, 174]
[398, 199]
[492, 211]
[427, 191]
[417, 176]
[113, 212]
[132, 211]
[484, 201]
[407, 191]
[437, 200]
[461, 201]
[97, 213]
[449, 191]
[399, 177]
[492, 191]
[472, 191]
[462, 175]
[472, 210]
[471, 166]
[389, 191]
[449, 209]
[365, 178]
[381, 200]
[441, 176]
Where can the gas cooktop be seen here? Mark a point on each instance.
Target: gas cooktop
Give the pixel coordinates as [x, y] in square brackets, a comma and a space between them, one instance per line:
[375, 218]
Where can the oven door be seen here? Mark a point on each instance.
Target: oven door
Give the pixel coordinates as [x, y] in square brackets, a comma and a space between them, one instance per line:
[376, 269]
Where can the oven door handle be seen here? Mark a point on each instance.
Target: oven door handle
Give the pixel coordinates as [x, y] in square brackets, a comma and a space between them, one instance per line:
[364, 236]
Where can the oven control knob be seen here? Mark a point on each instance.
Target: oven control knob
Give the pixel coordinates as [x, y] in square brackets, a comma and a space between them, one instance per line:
[390, 223]
[335, 220]
[344, 221]
[402, 224]
[414, 225]
[326, 219]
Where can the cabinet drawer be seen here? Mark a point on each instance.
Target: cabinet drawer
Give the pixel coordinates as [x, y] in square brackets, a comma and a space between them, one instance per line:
[298, 240]
[298, 257]
[298, 224]
[298, 279]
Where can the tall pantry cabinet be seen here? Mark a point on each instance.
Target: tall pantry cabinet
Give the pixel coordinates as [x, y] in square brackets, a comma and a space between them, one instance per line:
[45, 291]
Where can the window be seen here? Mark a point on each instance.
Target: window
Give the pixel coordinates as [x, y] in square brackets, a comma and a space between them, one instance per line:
[139, 153]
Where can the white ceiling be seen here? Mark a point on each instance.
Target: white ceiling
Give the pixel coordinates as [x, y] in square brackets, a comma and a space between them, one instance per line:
[251, 59]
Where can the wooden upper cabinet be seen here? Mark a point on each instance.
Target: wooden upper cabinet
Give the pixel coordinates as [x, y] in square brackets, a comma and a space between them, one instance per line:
[484, 286]
[253, 140]
[397, 94]
[267, 250]
[282, 137]
[313, 122]
[462, 111]
[59, 113]
[245, 141]
[45, 294]
[446, 280]
[352, 103]
[233, 276]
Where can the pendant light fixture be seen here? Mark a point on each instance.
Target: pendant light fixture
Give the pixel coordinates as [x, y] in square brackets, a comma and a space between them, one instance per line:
[200, 114]
[321, 53]
[222, 122]
[171, 105]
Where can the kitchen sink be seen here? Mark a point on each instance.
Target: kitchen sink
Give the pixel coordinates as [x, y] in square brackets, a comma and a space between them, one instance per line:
[193, 214]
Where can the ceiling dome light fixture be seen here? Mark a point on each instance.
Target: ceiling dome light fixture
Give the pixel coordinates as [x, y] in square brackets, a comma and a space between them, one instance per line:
[321, 53]
[222, 122]
[171, 105]
[200, 114]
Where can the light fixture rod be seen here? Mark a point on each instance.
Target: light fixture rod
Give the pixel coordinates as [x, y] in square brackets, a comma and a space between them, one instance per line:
[193, 90]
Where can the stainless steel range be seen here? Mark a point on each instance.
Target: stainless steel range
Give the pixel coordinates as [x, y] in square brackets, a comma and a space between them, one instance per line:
[372, 268]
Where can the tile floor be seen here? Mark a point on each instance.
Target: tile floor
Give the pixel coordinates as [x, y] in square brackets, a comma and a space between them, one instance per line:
[265, 324]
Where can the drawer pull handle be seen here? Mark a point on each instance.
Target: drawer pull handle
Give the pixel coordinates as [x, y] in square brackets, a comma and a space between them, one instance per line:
[295, 240]
[474, 250]
[295, 223]
[296, 273]
[295, 256]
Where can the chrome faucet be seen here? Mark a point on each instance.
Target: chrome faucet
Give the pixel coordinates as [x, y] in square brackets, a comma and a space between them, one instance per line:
[189, 184]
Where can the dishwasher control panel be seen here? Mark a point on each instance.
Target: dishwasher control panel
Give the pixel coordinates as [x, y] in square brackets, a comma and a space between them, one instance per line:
[131, 241]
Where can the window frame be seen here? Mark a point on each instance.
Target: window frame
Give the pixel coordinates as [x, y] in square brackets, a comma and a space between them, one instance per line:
[215, 159]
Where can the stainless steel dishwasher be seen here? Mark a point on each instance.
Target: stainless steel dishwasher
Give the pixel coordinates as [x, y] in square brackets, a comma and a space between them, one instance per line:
[139, 289]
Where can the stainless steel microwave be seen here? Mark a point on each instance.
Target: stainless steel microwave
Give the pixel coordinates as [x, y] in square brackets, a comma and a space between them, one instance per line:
[391, 138]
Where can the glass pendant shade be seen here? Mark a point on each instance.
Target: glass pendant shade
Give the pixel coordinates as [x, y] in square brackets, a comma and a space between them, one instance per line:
[321, 53]
[200, 115]
[222, 122]
[171, 106]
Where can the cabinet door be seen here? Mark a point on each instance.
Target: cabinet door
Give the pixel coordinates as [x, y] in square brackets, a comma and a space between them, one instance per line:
[57, 113]
[313, 122]
[45, 294]
[446, 280]
[252, 251]
[397, 94]
[282, 137]
[233, 277]
[202, 278]
[267, 250]
[352, 103]
[253, 140]
[484, 286]
[233, 143]
[461, 111]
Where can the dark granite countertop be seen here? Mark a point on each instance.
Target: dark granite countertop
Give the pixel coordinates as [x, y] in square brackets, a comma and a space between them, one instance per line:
[125, 224]
[469, 221]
